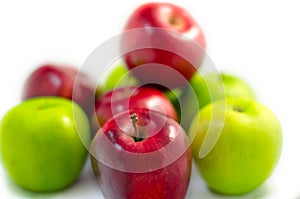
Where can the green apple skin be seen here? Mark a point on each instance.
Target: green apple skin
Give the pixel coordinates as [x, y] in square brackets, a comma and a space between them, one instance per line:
[233, 87]
[174, 96]
[40, 144]
[247, 150]
[118, 77]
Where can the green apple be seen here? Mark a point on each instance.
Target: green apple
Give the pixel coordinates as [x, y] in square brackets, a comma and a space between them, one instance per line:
[247, 145]
[41, 143]
[117, 76]
[209, 88]
[174, 95]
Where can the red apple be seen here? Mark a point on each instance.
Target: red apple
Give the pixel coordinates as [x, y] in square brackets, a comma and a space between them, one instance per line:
[162, 36]
[142, 154]
[121, 99]
[56, 80]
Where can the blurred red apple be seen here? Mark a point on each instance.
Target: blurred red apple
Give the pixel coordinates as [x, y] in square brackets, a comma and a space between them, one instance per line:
[56, 80]
[122, 99]
[142, 154]
[166, 41]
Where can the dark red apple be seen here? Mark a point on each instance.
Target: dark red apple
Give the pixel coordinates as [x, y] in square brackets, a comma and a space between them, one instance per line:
[166, 41]
[121, 99]
[142, 154]
[56, 80]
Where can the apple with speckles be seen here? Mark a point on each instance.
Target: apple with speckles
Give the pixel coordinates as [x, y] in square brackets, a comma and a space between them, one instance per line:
[142, 153]
[163, 43]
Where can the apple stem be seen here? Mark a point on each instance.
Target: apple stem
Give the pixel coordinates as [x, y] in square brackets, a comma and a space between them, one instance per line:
[239, 109]
[134, 118]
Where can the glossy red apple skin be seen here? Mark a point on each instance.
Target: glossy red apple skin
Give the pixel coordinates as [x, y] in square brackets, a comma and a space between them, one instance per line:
[121, 174]
[121, 99]
[175, 51]
[59, 80]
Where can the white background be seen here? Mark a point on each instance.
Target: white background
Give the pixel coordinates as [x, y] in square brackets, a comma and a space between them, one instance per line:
[256, 40]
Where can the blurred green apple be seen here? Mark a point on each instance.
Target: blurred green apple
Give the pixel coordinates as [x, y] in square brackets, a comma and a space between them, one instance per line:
[209, 88]
[119, 76]
[41, 143]
[174, 95]
[246, 149]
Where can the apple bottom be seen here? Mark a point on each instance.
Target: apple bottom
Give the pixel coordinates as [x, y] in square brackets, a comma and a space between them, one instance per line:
[170, 182]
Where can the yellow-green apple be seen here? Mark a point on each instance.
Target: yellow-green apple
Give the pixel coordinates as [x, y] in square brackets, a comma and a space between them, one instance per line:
[209, 88]
[41, 143]
[246, 149]
[142, 153]
[162, 34]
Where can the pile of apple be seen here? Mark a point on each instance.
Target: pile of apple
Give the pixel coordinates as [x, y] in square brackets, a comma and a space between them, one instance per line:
[142, 133]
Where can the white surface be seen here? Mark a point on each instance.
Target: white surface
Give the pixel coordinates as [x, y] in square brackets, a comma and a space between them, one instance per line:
[257, 40]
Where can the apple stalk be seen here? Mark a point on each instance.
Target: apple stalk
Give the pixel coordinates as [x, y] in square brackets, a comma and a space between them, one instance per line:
[134, 120]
